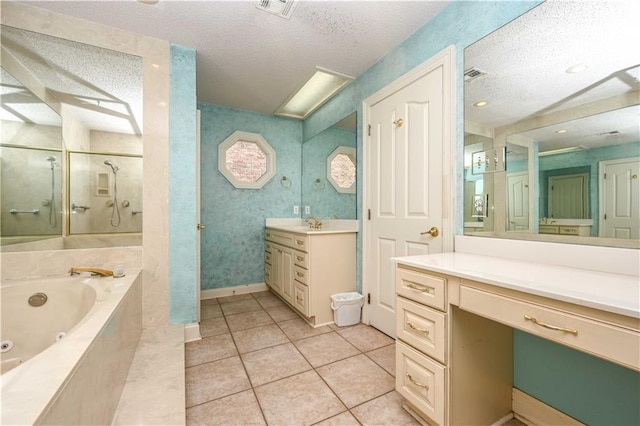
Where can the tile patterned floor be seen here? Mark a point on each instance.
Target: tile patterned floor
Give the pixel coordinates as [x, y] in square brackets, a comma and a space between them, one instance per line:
[258, 363]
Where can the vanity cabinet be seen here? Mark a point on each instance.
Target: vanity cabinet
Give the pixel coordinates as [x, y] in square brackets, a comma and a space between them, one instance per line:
[579, 230]
[305, 268]
[455, 316]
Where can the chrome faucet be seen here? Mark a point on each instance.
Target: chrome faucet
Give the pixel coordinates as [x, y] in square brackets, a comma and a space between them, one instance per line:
[94, 271]
[316, 223]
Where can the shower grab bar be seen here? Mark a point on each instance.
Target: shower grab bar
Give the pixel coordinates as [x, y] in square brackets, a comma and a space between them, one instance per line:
[16, 211]
[75, 207]
[136, 212]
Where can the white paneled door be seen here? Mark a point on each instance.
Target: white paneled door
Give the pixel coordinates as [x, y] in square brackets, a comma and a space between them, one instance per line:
[620, 198]
[407, 154]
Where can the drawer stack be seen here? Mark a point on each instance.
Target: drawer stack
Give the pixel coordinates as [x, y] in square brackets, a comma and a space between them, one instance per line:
[421, 355]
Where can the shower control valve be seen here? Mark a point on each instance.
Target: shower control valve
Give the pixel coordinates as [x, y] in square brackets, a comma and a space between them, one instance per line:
[126, 203]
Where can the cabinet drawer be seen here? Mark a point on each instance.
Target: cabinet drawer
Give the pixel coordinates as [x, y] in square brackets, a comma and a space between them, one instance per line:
[301, 298]
[268, 247]
[569, 230]
[301, 242]
[421, 381]
[421, 327]
[546, 229]
[301, 274]
[267, 257]
[283, 238]
[301, 259]
[421, 287]
[267, 274]
[614, 343]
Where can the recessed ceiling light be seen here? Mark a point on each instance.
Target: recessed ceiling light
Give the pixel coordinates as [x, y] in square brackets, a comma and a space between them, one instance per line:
[322, 85]
[561, 131]
[481, 104]
[576, 69]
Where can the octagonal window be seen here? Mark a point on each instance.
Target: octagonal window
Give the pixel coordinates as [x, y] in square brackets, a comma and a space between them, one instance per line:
[246, 160]
[341, 169]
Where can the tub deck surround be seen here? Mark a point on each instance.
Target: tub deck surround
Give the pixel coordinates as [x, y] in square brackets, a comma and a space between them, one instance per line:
[455, 317]
[39, 390]
[615, 293]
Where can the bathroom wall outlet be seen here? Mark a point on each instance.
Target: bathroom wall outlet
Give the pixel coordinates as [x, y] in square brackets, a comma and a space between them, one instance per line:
[307, 209]
[296, 210]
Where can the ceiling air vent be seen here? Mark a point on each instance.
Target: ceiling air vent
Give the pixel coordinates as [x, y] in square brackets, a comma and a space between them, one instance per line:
[472, 74]
[282, 8]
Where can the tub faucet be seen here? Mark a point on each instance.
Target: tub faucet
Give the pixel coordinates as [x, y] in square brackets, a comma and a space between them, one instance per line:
[316, 223]
[94, 271]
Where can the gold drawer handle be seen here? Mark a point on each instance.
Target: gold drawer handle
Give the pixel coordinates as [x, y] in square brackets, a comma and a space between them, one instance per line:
[300, 274]
[412, 380]
[298, 242]
[299, 299]
[418, 329]
[300, 258]
[417, 287]
[549, 326]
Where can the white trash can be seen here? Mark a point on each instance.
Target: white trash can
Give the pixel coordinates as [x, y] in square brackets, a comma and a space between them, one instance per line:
[346, 308]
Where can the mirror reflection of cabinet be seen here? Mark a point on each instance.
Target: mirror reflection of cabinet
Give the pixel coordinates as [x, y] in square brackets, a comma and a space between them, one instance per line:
[567, 120]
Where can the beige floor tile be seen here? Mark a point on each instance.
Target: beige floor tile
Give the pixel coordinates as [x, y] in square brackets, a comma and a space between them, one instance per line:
[209, 349]
[210, 311]
[365, 338]
[248, 320]
[259, 338]
[334, 327]
[325, 348]
[240, 306]
[206, 382]
[344, 419]
[213, 327]
[384, 410]
[274, 363]
[357, 379]
[281, 313]
[385, 357]
[298, 328]
[204, 302]
[297, 400]
[234, 298]
[270, 301]
[260, 294]
[239, 409]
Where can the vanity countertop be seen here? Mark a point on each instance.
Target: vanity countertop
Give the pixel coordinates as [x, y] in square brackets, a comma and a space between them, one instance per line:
[299, 226]
[609, 292]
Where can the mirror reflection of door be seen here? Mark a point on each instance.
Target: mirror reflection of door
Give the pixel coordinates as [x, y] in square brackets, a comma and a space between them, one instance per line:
[620, 198]
[569, 196]
[518, 201]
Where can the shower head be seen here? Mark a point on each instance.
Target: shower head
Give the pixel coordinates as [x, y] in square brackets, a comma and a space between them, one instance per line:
[113, 166]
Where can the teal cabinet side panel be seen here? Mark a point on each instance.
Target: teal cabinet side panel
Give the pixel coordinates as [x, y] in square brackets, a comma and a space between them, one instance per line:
[587, 388]
[182, 186]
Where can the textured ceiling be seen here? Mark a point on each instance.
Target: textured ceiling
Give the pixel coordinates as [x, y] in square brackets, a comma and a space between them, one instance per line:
[526, 61]
[250, 59]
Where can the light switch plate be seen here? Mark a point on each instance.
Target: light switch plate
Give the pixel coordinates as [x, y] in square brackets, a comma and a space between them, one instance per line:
[307, 209]
[296, 210]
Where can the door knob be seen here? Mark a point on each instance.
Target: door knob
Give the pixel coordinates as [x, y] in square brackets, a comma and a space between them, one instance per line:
[434, 232]
[200, 227]
[399, 122]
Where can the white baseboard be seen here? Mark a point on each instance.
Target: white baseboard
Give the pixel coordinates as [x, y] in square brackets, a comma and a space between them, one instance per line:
[532, 411]
[232, 291]
[192, 332]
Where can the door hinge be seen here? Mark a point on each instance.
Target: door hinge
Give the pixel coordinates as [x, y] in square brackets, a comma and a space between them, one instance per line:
[369, 130]
[368, 298]
[369, 214]
[605, 216]
[605, 175]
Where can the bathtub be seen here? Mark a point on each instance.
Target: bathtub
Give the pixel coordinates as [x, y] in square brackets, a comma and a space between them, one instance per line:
[66, 361]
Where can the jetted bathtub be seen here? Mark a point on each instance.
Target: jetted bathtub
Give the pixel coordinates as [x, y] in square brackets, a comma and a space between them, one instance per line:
[65, 361]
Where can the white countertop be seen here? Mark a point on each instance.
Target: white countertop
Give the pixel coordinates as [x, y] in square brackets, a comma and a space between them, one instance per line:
[299, 226]
[609, 292]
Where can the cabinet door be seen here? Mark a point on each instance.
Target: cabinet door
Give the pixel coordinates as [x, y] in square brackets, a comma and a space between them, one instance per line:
[286, 269]
[276, 268]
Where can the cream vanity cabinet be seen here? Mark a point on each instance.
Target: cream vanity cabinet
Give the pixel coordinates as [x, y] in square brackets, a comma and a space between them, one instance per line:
[305, 268]
[455, 315]
[579, 230]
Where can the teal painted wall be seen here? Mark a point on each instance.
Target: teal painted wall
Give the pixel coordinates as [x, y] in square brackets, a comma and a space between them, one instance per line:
[461, 24]
[232, 245]
[589, 389]
[325, 201]
[182, 186]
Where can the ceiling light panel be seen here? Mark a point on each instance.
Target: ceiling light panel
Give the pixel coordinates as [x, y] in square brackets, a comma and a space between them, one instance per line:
[323, 85]
[281, 8]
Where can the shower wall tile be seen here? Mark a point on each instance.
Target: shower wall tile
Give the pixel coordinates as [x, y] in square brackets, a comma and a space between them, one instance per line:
[233, 243]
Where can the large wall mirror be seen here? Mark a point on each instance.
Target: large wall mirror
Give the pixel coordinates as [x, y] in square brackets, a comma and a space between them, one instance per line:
[329, 170]
[75, 174]
[552, 141]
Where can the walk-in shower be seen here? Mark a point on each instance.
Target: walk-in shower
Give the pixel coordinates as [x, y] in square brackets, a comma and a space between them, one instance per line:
[53, 218]
[115, 213]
